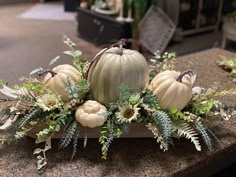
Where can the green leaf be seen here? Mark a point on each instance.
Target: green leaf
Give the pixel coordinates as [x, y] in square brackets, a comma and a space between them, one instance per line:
[125, 93]
[77, 53]
[77, 90]
[2, 82]
[203, 108]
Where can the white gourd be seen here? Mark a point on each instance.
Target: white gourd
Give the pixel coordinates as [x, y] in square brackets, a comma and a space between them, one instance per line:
[91, 114]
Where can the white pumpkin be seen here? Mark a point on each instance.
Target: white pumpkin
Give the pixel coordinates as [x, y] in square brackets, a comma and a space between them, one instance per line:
[57, 82]
[114, 67]
[172, 91]
[91, 114]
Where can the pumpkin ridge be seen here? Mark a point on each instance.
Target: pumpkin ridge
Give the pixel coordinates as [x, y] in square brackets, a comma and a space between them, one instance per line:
[71, 75]
[103, 87]
[176, 102]
[167, 96]
[115, 85]
[95, 73]
[60, 81]
[141, 79]
[161, 87]
[130, 76]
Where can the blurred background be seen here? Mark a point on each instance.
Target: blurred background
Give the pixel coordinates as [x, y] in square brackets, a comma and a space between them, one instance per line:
[31, 31]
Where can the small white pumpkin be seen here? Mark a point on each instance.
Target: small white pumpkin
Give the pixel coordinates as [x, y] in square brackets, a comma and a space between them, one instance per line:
[91, 114]
[57, 81]
[173, 89]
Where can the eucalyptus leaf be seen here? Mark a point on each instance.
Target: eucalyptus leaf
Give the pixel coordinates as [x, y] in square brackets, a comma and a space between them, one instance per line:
[37, 151]
[53, 61]
[35, 71]
[48, 144]
[41, 164]
[70, 53]
[77, 53]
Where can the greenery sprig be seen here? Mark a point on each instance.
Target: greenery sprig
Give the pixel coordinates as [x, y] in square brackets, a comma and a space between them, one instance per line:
[229, 64]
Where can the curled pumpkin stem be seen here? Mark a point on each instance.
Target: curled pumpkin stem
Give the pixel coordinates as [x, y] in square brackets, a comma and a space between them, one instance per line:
[180, 77]
[41, 73]
[120, 43]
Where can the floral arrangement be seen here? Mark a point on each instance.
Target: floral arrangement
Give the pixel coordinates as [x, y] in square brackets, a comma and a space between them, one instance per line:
[229, 64]
[116, 89]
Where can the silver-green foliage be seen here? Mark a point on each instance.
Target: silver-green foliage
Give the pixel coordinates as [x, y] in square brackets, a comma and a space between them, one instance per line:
[163, 121]
[35, 113]
[75, 142]
[69, 134]
[108, 132]
[77, 90]
[203, 131]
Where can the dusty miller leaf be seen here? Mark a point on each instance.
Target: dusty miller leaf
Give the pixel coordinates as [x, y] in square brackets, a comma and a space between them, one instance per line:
[70, 53]
[53, 61]
[37, 70]
[37, 151]
[42, 160]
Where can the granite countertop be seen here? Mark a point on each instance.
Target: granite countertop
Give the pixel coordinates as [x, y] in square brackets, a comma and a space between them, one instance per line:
[139, 156]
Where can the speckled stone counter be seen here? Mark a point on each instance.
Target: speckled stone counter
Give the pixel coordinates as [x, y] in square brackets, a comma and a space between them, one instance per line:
[140, 156]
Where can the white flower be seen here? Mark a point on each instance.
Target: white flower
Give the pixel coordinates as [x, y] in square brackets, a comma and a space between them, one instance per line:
[127, 113]
[48, 102]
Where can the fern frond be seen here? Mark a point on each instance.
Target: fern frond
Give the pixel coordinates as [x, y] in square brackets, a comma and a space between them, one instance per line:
[183, 129]
[164, 122]
[34, 114]
[157, 136]
[75, 142]
[7, 139]
[214, 136]
[68, 136]
[202, 130]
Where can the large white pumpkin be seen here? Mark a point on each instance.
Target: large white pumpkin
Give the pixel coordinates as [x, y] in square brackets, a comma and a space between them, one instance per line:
[114, 67]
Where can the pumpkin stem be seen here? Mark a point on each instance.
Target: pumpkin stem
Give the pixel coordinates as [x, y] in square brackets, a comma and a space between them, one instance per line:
[120, 43]
[41, 73]
[180, 77]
